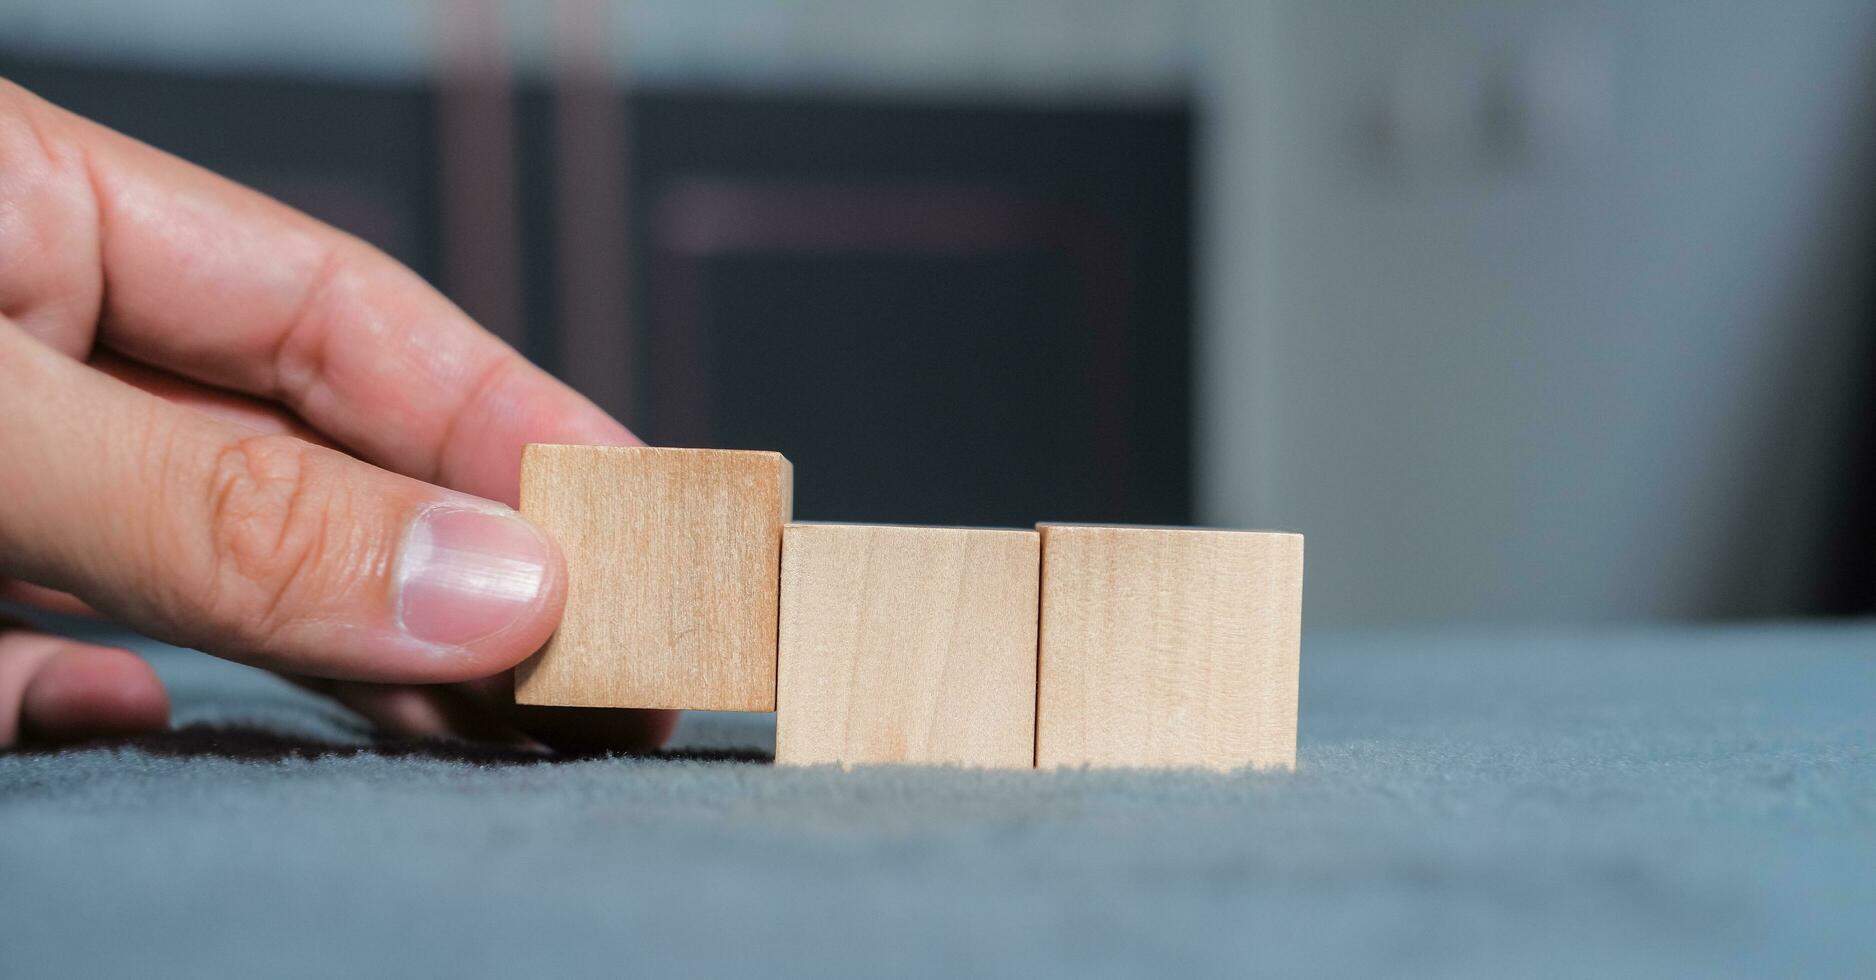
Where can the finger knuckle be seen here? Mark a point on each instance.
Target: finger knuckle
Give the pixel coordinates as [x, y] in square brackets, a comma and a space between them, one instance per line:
[48, 214]
[14, 98]
[25, 147]
[272, 528]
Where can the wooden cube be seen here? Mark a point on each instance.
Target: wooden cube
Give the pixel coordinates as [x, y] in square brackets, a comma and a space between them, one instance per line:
[673, 568]
[907, 644]
[1168, 647]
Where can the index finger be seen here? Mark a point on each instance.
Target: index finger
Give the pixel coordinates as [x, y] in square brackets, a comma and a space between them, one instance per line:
[211, 280]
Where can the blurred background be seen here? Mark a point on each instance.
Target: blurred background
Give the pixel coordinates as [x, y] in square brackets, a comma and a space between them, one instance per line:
[1522, 312]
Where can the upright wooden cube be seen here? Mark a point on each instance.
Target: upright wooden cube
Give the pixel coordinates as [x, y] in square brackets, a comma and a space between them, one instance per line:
[673, 568]
[1168, 647]
[907, 644]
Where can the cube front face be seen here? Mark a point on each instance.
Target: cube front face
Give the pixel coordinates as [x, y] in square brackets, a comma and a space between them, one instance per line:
[1168, 647]
[673, 571]
[907, 644]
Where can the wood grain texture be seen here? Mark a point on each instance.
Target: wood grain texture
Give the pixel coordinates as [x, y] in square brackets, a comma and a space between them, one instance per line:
[1168, 647]
[673, 574]
[907, 644]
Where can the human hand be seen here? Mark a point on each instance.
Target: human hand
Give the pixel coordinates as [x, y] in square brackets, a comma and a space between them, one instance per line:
[231, 427]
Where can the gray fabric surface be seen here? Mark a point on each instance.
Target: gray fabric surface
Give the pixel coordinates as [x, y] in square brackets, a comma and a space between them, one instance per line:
[1653, 802]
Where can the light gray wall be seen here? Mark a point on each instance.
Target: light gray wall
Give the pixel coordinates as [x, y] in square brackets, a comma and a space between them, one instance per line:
[1595, 372]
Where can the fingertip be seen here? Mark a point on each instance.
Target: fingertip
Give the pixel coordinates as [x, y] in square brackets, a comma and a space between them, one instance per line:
[528, 406]
[85, 691]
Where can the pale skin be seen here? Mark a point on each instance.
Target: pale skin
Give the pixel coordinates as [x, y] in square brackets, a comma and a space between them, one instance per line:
[228, 426]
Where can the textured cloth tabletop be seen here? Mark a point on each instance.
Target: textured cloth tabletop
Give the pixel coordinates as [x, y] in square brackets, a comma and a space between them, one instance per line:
[1693, 802]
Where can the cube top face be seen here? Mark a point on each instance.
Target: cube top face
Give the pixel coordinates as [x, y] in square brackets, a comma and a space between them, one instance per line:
[1168, 647]
[673, 561]
[907, 645]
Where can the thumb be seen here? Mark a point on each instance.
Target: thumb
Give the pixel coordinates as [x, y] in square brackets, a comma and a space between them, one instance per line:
[258, 547]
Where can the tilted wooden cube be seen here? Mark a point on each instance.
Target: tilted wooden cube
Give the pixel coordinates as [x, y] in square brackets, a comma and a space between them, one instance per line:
[673, 568]
[1168, 647]
[907, 644]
